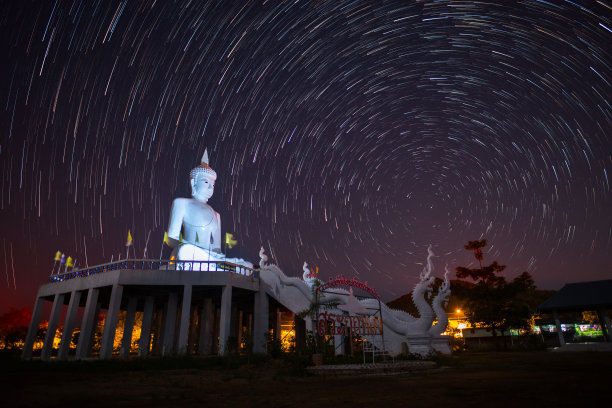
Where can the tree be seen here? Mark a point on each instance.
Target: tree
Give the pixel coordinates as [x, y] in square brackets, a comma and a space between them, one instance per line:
[14, 326]
[492, 301]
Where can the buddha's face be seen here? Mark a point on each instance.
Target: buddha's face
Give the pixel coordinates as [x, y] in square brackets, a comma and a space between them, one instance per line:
[202, 187]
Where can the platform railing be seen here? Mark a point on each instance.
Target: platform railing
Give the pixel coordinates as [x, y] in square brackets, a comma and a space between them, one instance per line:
[154, 264]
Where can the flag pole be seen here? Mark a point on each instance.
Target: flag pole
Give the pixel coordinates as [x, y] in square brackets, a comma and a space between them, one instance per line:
[161, 251]
[144, 252]
[58, 257]
[128, 243]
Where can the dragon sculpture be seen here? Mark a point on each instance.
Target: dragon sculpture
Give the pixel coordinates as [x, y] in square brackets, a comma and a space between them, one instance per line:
[296, 294]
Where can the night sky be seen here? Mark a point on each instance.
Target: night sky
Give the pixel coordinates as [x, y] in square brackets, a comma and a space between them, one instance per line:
[348, 134]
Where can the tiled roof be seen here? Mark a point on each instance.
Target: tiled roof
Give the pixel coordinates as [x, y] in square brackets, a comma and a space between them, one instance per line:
[580, 296]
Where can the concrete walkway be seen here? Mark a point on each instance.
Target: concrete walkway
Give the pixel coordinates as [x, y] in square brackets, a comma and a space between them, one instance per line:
[584, 347]
[396, 368]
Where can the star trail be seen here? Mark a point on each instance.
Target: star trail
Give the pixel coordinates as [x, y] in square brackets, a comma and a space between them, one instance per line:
[348, 134]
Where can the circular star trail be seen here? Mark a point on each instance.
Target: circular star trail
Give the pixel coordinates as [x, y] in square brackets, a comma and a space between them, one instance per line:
[348, 134]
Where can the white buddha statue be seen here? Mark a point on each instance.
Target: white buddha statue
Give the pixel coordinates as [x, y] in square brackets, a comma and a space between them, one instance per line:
[201, 225]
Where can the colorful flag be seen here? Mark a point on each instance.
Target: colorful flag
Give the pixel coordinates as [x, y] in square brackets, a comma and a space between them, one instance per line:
[58, 257]
[62, 259]
[230, 241]
[129, 241]
[166, 239]
[69, 262]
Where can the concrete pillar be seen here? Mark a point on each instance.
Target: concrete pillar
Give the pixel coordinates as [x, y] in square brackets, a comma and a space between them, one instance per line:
[110, 325]
[73, 308]
[33, 329]
[184, 324]
[169, 325]
[559, 331]
[56, 312]
[88, 325]
[261, 322]
[128, 328]
[94, 331]
[604, 321]
[207, 325]
[225, 318]
[145, 330]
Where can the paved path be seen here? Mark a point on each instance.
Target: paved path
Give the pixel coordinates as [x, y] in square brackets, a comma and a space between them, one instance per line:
[398, 367]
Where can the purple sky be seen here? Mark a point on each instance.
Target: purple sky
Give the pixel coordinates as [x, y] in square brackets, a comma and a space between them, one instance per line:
[346, 134]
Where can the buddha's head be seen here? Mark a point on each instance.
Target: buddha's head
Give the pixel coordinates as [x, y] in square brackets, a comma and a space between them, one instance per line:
[202, 180]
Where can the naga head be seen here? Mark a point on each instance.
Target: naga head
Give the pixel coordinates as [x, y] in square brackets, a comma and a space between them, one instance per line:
[426, 279]
[263, 258]
[444, 290]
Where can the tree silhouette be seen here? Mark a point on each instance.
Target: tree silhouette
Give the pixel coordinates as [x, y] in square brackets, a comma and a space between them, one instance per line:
[492, 301]
[14, 326]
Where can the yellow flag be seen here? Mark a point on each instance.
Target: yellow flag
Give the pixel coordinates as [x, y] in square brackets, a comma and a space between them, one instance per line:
[58, 255]
[129, 241]
[166, 240]
[230, 241]
[69, 262]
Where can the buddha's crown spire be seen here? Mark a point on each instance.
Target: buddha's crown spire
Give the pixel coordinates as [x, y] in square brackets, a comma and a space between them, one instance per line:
[204, 167]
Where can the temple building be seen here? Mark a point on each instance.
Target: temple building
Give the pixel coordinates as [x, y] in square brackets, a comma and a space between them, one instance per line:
[202, 302]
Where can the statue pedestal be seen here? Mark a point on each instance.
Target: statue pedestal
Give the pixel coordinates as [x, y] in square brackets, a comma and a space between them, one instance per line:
[420, 345]
[441, 344]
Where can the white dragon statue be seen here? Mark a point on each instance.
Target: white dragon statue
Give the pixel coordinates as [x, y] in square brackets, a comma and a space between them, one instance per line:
[296, 294]
[439, 303]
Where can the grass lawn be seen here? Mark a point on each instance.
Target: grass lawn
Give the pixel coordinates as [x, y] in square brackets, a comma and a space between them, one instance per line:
[496, 379]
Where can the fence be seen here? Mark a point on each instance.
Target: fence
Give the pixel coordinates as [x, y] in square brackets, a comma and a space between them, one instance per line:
[154, 264]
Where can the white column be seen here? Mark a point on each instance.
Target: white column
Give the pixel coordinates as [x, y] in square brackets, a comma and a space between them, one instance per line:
[170, 325]
[207, 324]
[110, 325]
[261, 322]
[184, 325]
[559, 331]
[33, 329]
[225, 319]
[145, 330]
[56, 312]
[88, 326]
[126, 341]
[73, 308]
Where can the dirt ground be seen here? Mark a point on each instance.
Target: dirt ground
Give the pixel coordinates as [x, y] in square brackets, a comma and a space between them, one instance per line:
[497, 379]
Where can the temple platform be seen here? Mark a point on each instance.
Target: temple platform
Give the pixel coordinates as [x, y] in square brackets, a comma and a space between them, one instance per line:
[183, 308]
